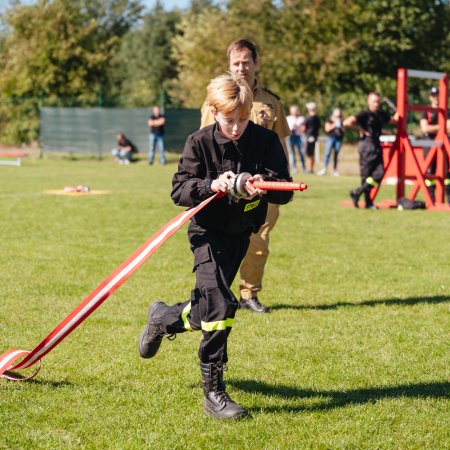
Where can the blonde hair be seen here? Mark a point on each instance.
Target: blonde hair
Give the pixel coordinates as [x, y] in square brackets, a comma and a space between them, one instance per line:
[336, 112]
[226, 93]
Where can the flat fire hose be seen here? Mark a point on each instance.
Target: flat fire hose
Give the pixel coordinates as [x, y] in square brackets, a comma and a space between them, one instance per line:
[107, 287]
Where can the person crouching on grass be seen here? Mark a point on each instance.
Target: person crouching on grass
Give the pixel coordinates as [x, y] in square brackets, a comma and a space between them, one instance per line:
[218, 234]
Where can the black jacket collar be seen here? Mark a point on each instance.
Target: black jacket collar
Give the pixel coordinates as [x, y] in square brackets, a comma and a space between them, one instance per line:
[240, 143]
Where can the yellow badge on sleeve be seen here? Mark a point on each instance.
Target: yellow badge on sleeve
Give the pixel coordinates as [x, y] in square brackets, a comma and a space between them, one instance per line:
[252, 205]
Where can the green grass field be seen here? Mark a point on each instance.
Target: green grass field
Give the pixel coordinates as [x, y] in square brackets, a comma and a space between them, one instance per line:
[354, 353]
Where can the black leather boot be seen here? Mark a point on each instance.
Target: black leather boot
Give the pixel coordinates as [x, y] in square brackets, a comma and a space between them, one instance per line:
[151, 337]
[253, 304]
[356, 193]
[218, 403]
[369, 202]
[355, 198]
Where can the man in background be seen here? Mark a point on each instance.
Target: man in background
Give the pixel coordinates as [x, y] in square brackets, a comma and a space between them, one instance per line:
[156, 123]
[124, 150]
[268, 112]
[370, 122]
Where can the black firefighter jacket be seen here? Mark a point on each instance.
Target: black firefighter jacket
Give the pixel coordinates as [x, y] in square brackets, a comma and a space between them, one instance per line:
[209, 153]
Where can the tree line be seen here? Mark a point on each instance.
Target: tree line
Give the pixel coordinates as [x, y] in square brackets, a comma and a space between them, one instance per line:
[114, 53]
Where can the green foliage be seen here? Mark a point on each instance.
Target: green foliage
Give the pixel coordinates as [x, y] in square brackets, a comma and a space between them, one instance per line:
[200, 50]
[353, 355]
[19, 120]
[144, 66]
[330, 51]
[59, 49]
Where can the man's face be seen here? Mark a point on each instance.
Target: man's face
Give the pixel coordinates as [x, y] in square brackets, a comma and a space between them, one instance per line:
[232, 124]
[434, 100]
[242, 64]
[373, 102]
[156, 110]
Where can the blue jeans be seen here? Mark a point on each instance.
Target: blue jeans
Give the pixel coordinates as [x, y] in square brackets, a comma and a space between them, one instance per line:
[332, 144]
[156, 140]
[295, 141]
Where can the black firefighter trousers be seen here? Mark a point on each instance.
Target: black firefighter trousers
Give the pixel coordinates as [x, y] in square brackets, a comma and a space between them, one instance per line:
[370, 166]
[370, 161]
[212, 306]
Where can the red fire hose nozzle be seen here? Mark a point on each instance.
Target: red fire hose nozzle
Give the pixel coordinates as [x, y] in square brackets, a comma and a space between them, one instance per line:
[279, 185]
[243, 178]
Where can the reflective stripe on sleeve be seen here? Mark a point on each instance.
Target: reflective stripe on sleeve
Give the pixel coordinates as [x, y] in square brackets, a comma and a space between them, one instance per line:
[184, 314]
[218, 325]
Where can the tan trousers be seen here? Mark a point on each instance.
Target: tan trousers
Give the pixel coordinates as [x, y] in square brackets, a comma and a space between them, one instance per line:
[252, 267]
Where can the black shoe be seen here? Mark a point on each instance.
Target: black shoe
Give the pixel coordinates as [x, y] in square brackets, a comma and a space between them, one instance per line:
[254, 304]
[151, 337]
[355, 198]
[218, 403]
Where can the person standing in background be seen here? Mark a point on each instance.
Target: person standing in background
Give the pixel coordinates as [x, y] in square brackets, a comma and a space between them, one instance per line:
[156, 123]
[312, 127]
[296, 124]
[335, 135]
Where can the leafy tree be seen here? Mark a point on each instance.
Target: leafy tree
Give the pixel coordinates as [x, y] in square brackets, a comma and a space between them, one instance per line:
[59, 49]
[199, 49]
[332, 51]
[387, 35]
[144, 65]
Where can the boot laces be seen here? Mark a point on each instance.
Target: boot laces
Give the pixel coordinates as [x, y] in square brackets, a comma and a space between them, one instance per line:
[222, 397]
[222, 367]
[219, 390]
[159, 333]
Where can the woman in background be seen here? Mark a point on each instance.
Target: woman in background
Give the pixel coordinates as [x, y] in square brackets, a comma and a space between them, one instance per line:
[335, 135]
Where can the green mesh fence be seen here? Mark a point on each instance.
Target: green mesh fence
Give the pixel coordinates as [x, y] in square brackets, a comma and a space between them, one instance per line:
[94, 130]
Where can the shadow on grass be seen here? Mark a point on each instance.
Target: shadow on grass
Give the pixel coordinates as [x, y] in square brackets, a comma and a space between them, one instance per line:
[37, 382]
[389, 302]
[51, 384]
[336, 399]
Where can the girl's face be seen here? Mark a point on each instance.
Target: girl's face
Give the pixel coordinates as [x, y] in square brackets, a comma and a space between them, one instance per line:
[232, 124]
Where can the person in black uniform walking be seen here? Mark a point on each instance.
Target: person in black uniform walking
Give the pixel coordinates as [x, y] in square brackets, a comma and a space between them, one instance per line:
[370, 123]
[219, 234]
[429, 127]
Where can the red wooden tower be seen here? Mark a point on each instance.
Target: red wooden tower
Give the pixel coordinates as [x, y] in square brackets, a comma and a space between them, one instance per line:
[404, 158]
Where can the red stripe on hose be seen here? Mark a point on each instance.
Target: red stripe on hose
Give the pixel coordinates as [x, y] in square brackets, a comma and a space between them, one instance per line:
[107, 287]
